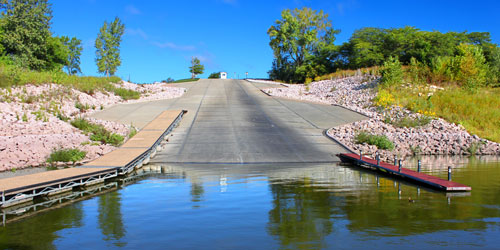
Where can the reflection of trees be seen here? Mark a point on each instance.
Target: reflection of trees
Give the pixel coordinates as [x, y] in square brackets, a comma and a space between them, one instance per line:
[110, 216]
[196, 192]
[40, 231]
[381, 208]
[301, 214]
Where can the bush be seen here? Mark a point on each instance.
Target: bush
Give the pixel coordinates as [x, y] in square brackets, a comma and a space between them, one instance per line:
[392, 74]
[97, 132]
[470, 67]
[66, 155]
[126, 94]
[107, 138]
[409, 122]
[381, 141]
[214, 75]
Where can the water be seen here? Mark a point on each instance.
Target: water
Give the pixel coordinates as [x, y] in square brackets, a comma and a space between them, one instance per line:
[270, 207]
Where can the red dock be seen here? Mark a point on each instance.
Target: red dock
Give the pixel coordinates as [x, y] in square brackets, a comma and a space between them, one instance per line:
[414, 176]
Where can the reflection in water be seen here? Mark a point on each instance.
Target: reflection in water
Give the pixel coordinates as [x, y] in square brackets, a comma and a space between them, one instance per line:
[110, 218]
[301, 214]
[288, 207]
[41, 231]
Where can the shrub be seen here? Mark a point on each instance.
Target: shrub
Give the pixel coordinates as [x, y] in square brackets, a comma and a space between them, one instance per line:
[470, 67]
[66, 155]
[126, 94]
[97, 132]
[409, 122]
[107, 138]
[214, 75]
[381, 141]
[384, 99]
[392, 74]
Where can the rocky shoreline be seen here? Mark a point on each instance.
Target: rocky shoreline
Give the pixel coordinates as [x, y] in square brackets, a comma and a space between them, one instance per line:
[35, 120]
[438, 137]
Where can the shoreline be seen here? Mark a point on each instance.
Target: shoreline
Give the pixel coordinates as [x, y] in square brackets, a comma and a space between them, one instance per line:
[438, 137]
[35, 120]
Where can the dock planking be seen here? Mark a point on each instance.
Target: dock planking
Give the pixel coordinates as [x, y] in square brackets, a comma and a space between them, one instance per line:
[414, 176]
[120, 161]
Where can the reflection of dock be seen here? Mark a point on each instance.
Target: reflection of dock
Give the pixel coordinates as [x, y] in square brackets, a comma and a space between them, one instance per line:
[404, 173]
[133, 154]
[15, 213]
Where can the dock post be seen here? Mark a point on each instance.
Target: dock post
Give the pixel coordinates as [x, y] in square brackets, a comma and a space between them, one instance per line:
[378, 159]
[395, 160]
[449, 173]
[400, 166]
[419, 165]
[360, 155]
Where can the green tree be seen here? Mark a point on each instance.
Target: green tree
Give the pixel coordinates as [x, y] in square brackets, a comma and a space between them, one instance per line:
[392, 74]
[214, 75]
[196, 67]
[74, 46]
[299, 36]
[470, 66]
[107, 47]
[26, 35]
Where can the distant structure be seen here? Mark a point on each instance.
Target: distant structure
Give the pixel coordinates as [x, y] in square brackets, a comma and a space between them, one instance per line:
[223, 75]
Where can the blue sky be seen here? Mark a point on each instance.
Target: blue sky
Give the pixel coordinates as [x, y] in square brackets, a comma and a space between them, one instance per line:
[230, 35]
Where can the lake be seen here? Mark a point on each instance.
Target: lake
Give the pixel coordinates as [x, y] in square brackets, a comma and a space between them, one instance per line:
[268, 207]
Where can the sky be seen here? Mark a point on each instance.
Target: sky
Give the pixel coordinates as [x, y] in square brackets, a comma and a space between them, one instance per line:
[161, 36]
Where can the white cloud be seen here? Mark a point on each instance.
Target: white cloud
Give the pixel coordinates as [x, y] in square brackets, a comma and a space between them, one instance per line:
[174, 46]
[136, 32]
[131, 9]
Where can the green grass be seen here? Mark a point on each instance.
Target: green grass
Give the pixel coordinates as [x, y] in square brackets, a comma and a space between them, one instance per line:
[408, 122]
[186, 80]
[66, 155]
[13, 76]
[97, 132]
[477, 111]
[381, 141]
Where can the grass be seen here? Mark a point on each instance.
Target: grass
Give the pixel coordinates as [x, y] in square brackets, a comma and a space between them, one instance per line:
[477, 111]
[97, 132]
[13, 76]
[374, 71]
[408, 122]
[66, 155]
[186, 80]
[133, 131]
[381, 141]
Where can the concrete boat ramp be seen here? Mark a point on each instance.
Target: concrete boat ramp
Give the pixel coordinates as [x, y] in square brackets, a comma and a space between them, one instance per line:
[131, 155]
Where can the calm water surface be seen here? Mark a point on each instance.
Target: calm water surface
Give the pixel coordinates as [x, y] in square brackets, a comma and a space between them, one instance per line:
[271, 207]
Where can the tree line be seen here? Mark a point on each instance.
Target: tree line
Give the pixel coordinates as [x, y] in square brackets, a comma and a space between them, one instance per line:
[27, 42]
[303, 45]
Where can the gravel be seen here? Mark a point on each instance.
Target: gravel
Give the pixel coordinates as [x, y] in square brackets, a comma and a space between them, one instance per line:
[439, 137]
[30, 129]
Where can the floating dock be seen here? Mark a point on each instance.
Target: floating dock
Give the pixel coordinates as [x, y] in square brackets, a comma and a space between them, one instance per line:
[131, 155]
[404, 173]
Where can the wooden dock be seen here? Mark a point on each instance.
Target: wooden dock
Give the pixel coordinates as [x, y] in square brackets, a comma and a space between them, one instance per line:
[131, 155]
[407, 174]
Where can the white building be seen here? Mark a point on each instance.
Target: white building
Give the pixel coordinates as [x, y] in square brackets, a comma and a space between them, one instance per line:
[223, 75]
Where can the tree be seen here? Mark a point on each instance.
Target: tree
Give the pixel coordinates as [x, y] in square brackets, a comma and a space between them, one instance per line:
[299, 34]
[196, 68]
[107, 47]
[26, 35]
[74, 46]
[214, 75]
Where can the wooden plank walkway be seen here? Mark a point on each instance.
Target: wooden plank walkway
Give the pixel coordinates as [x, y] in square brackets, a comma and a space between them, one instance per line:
[120, 161]
[417, 177]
